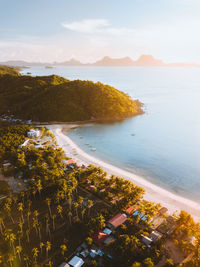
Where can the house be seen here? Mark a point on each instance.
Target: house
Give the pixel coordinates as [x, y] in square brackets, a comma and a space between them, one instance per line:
[117, 220]
[146, 240]
[99, 237]
[163, 211]
[155, 236]
[7, 165]
[107, 231]
[130, 210]
[192, 240]
[142, 216]
[76, 262]
[64, 264]
[33, 133]
[69, 163]
[109, 239]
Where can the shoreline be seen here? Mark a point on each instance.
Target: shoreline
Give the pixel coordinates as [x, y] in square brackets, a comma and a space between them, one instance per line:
[153, 193]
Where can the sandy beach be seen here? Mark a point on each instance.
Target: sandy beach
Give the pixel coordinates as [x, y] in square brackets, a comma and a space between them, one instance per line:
[154, 193]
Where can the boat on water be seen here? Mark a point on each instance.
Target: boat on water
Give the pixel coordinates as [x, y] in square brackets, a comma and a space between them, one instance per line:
[93, 149]
[48, 67]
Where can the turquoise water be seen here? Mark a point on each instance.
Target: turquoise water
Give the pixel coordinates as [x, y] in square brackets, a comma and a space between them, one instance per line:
[163, 145]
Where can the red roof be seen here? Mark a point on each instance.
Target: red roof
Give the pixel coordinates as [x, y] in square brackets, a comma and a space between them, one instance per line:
[70, 161]
[99, 237]
[117, 220]
[130, 210]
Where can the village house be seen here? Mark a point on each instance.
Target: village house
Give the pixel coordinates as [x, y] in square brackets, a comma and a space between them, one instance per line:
[116, 221]
[33, 133]
[76, 262]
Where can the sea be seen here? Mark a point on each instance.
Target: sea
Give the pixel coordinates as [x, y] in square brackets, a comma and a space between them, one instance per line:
[163, 144]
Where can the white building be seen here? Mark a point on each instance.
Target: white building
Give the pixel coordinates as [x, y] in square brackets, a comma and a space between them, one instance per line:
[76, 262]
[33, 133]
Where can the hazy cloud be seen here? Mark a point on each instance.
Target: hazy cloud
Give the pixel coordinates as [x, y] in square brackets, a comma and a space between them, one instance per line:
[91, 26]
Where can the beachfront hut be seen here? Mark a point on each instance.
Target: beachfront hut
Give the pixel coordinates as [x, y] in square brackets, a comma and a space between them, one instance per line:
[163, 211]
[99, 237]
[155, 236]
[33, 133]
[117, 220]
[76, 262]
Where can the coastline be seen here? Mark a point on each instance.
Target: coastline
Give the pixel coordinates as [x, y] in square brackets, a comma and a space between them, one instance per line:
[153, 193]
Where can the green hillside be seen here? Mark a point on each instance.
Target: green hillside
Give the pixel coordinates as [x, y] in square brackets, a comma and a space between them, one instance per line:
[9, 70]
[53, 98]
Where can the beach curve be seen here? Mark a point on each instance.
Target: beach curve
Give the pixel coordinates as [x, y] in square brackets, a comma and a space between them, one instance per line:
[154, 193]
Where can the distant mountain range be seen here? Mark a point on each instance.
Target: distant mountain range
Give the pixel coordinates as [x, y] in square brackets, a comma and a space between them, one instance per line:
[143, 60]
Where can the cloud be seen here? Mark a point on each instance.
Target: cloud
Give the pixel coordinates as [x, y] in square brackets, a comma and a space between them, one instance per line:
[91, 26]
[87, 25]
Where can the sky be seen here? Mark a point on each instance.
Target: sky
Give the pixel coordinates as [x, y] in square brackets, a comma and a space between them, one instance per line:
[58, 30]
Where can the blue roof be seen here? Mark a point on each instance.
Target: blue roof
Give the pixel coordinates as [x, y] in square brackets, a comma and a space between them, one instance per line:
[141, 215]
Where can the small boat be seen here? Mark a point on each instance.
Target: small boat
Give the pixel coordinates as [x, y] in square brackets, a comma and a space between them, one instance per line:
[93, 149]
[48, 67]
[133, 134]
[81, 137]
[87, 144]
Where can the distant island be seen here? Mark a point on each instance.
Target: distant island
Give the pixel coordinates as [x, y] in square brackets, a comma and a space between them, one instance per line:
[53, 98]
[143, 60]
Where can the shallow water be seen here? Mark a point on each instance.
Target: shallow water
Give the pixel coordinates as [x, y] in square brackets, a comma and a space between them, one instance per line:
[163, 145]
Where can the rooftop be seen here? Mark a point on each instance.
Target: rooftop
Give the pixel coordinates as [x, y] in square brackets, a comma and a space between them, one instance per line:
[117, 220]
[99, 237]
[76, 262]
[130, 210]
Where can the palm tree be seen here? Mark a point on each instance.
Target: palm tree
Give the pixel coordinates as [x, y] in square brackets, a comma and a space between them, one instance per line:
[48, 247]
[69, 201]
[35, 225]
[48, 201]
[90, 204]
[53, 221]
[82, 213]
[35, 252]
[28, 218]
[21, 226]
[35, 214]
[63, 249]
[26, 259]
[11, 238]
[39, 230]
[19, 236]
[2, 226]
[29, 202]
[59, 210]
[41, 246]
[47, 224]
[49, 264]
[70, 217]
[21, 208]
[39, 187]
[1, 259]
[7, 208]
[28, 235]
[10, 259]
[80, 201]
[18, 251]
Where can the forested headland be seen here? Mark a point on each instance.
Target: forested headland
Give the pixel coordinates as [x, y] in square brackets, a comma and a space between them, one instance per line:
[53, 98]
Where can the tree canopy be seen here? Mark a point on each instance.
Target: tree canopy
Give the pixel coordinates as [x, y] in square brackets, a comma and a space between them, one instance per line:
[53, 98]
